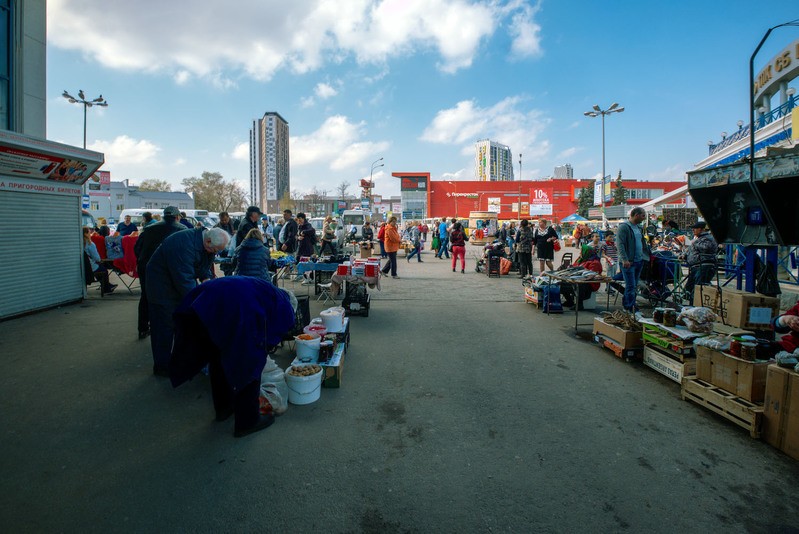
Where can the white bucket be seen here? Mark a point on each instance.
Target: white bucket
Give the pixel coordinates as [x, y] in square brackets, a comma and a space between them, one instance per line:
[333, 319]
[308, 349]
[304, 389]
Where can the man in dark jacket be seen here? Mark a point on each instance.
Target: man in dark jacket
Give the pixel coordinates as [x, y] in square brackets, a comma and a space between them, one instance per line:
[288, 234]
[145, 248]
[632, 254]
[306, 236]
[173, 271]
[251, 220]
[701, 258]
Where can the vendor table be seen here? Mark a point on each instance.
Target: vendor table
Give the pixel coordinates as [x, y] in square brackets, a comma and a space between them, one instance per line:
[338, 280]
[564, 280]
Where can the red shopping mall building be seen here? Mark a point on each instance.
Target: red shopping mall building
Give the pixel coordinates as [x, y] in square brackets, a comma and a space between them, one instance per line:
[554, 198]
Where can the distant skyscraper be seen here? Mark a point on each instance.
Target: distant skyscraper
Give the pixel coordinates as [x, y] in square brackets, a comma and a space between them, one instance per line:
[269, 161]
[564, 171]
[493, 161]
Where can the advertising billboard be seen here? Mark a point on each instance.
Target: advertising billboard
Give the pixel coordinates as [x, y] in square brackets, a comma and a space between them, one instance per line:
[540, 202]
[413, 183]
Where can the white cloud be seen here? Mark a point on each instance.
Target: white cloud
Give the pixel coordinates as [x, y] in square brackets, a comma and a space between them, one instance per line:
[325, 91]
[460, 174]
[307, 102]
[180, 161]
[505, 122]
[569, 152]
[124, 150]
[337, 143]
[208, 39]
[241, 152]
[675, 172]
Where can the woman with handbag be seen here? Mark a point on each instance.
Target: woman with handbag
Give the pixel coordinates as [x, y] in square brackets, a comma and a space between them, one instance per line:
[457, 239]
[524, 248]
[545, 238]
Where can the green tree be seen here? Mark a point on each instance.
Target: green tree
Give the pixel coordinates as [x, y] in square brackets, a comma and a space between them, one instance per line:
[585, 201]
[620, 193]
[213, 193]
[153, 184]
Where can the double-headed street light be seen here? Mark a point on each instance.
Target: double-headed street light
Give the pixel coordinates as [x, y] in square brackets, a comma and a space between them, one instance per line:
[99, 101]
[371, 184]
[597, 111]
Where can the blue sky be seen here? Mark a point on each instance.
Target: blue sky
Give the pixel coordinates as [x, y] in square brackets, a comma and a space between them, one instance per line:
[413, 81]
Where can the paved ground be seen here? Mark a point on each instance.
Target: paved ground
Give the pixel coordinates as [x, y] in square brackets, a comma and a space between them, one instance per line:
[462, 409]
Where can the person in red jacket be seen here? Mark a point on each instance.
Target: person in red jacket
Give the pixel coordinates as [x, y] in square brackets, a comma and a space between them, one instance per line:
[381, 238]
[789, 323]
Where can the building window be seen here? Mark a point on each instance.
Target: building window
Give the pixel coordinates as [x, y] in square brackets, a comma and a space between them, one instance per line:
[148, 205]
[95, 205]
[120, 197]
[120, 207]
[6, 47]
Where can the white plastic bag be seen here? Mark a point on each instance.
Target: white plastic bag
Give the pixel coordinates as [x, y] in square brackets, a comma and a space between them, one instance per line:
[274, 391]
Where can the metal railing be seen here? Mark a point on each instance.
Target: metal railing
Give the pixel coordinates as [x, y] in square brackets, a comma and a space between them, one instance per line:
[779, 112]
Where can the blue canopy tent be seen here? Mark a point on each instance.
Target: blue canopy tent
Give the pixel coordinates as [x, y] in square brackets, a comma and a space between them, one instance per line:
[573, 218]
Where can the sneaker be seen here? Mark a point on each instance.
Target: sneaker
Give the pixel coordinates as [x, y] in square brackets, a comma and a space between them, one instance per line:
[463, 271]
[394, 276]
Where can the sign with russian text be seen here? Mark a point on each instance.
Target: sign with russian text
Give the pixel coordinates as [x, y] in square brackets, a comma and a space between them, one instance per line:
[29, 157]
[37, 186]
[540, 201]
[494, 204]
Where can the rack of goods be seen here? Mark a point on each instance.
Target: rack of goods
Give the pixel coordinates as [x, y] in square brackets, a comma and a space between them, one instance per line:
[621, 333]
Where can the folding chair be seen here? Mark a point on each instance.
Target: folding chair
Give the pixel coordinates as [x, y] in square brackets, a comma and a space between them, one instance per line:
[127, 264]
[326, 292]
[566, 260]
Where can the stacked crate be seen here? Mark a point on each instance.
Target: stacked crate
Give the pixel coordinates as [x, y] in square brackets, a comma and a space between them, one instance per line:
[669, 350]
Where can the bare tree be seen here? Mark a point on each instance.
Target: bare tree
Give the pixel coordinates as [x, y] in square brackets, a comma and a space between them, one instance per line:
[316, 201]
[342, 190]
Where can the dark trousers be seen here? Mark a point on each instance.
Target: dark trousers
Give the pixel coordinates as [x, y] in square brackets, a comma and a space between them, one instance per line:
[391, 263]
[244, 402]
[417, 251]
[698, 275]
[326, 245]
[382, 249]
[144, 306]
[525, 263]
[162, 331]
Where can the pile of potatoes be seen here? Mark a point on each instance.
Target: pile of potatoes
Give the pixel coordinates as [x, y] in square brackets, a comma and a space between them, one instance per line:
[304, 370]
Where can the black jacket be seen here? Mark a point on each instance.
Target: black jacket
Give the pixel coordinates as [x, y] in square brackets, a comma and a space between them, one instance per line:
[151, 239]
[290, 236]
[306, 245]
[245, 226]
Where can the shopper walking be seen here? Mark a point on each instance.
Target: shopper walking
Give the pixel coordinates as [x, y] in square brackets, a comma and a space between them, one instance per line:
[443, 239]
[381, 238]
[392, 243]
[415, 237]
[632, 253]
[545, 237]
[524, 248]
[457, 238]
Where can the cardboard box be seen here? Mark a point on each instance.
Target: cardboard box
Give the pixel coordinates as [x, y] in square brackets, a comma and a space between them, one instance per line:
[667, 366]
[781, 416]
[333, 368]
[740, 377]
[626, 339]
[739, 308]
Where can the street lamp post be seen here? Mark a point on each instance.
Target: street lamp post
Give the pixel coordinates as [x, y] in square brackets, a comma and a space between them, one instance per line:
[99, 101]
[519, 214]
[597, 111]
[371, 172]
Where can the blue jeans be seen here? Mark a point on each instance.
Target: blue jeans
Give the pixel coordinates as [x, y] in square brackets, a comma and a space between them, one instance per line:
[631, 275]
[443, 247]
[417, 252]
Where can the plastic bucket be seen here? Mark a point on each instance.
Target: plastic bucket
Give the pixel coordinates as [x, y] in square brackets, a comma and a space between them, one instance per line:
[333, 319]
[304, 389]
[308, 349]
[318, 329]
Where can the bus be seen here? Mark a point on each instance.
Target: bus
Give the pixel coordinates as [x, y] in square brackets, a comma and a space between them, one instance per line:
[200, 216]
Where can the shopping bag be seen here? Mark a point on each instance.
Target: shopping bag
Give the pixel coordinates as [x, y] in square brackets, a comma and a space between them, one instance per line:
[556, 245]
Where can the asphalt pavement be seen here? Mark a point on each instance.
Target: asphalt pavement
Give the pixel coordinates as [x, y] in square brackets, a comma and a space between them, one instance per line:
[462, 409]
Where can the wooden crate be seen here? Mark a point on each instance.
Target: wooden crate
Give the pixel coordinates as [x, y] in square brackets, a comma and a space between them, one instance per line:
[667, 365]
[620, 352]
[740, 411]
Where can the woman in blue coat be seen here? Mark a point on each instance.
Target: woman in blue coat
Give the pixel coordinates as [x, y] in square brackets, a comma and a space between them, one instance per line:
[252, 257]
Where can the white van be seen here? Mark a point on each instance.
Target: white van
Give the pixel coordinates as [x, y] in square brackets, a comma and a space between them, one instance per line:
[136, 215]
[354, 219]
[200, 216]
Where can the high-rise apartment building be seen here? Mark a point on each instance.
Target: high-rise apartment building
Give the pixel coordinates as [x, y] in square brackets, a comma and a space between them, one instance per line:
[269, 161]
[564, 171]
[493, 161]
